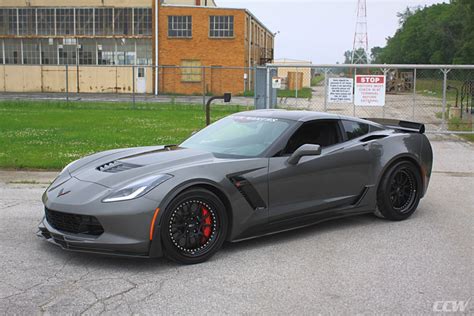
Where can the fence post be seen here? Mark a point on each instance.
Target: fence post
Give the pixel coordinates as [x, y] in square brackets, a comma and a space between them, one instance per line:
[268, 97]
[353, 104]
[203, 87]
[445, 87]
[414, 95]
[67, 83]
[326, 72]
[296, 86]
[133, 83]
[255, 78]
[385, 71]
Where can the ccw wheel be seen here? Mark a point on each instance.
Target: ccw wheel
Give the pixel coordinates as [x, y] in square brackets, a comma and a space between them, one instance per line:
[399, 192]
[194, 226]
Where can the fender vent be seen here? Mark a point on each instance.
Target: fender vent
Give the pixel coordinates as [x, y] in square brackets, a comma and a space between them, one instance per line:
[248, 192]
[116, 167]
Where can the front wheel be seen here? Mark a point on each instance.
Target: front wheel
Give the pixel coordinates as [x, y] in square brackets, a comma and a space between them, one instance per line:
[194, 227]
[399, 192]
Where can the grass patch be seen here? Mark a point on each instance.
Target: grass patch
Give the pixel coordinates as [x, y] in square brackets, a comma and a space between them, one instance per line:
[316, 80]
[462, 125]
[49, 135]
[305, 93]
[434, 88]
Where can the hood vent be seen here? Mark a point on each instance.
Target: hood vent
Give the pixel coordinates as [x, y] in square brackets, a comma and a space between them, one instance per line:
[116, 167]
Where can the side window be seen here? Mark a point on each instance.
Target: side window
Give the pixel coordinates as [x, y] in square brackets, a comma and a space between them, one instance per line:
[355, 129]
[323, 133]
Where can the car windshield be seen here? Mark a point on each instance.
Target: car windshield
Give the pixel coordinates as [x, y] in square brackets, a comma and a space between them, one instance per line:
[244, 136]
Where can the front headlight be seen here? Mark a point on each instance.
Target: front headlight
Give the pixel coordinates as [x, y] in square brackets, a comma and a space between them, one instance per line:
[137, 189]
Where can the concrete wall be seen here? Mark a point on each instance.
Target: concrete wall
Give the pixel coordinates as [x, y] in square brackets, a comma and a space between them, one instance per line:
[96, 79]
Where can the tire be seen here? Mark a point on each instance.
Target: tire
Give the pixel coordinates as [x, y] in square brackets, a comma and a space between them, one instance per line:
[194, 226]
[399, 192]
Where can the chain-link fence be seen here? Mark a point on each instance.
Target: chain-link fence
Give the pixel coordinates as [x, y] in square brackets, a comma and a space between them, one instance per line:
[124, 83]
[438, 96]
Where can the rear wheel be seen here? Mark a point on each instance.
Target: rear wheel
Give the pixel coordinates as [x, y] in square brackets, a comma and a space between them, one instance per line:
[194, 227]
[399, 192]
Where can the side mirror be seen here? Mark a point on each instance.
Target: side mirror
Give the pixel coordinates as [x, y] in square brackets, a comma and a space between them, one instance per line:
[304, 150]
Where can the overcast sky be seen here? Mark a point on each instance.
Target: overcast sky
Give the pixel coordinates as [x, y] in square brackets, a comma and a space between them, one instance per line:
[321, 30]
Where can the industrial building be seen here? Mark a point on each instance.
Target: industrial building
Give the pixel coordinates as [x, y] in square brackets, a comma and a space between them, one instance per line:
[99, 40]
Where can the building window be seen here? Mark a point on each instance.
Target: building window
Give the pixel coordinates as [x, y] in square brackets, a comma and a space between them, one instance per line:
[3, 22]
[180, 26]
[125, 52]
[144, 52]
[191, 71]
[123, 22]
[65, 21]
[84, 21]
[142, 20]
[8, 22]
[45, 21]
[106, 52]
[31, 52]
[12, 51]
[67, 53]
[104, 21]
[27, 21]
[87, 52]
[221, 26]
[49, 52]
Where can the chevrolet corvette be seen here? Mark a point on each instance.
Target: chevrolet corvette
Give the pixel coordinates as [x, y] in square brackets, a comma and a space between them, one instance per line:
[248, 175]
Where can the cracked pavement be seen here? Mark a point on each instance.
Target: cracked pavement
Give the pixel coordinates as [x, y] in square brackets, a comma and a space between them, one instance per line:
[355, 265]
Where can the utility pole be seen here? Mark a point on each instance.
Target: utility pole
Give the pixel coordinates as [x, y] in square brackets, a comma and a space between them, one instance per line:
[360, 48]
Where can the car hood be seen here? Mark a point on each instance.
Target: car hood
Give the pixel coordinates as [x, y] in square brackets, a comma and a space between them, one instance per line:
[116, 168]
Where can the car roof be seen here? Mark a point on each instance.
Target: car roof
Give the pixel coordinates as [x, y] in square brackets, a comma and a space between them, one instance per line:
[302, 116]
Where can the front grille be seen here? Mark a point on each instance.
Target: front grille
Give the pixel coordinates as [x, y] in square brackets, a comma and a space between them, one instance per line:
[73, 223]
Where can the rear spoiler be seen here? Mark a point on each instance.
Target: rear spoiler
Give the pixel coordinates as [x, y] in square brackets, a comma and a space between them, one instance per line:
[405, 126]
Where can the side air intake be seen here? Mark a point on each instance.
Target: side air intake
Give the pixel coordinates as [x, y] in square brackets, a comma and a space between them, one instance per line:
[248, 192]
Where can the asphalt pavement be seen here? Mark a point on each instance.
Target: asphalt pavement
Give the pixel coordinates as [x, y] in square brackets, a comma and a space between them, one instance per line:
[359, 265]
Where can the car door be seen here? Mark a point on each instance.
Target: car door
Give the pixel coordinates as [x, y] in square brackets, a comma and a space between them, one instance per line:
[333, 180]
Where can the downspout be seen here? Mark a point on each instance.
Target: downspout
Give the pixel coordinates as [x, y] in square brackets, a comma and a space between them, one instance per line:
[156, 46]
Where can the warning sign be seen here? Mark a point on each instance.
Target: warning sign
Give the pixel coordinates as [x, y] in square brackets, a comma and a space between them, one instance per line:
[340, 90]
[276, 83]
[369, 91]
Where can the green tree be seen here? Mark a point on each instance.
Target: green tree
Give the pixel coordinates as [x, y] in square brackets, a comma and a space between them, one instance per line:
[439, 34]
[375, 54]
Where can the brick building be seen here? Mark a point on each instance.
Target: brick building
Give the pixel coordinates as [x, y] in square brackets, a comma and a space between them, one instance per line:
[200, 46]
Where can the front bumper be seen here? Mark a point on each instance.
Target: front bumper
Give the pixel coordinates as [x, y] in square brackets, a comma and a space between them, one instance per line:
[88, 244]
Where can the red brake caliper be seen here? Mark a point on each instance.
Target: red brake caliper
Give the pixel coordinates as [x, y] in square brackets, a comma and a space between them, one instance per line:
[207, 230]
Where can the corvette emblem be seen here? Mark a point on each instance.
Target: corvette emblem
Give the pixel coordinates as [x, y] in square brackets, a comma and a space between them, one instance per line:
[62, 192]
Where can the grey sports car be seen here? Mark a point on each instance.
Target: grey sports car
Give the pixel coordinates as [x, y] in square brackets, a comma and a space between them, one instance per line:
[250, 174]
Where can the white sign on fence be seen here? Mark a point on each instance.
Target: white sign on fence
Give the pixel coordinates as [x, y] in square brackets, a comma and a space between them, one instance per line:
[369, 90]
[276, 82]
[340, 90]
